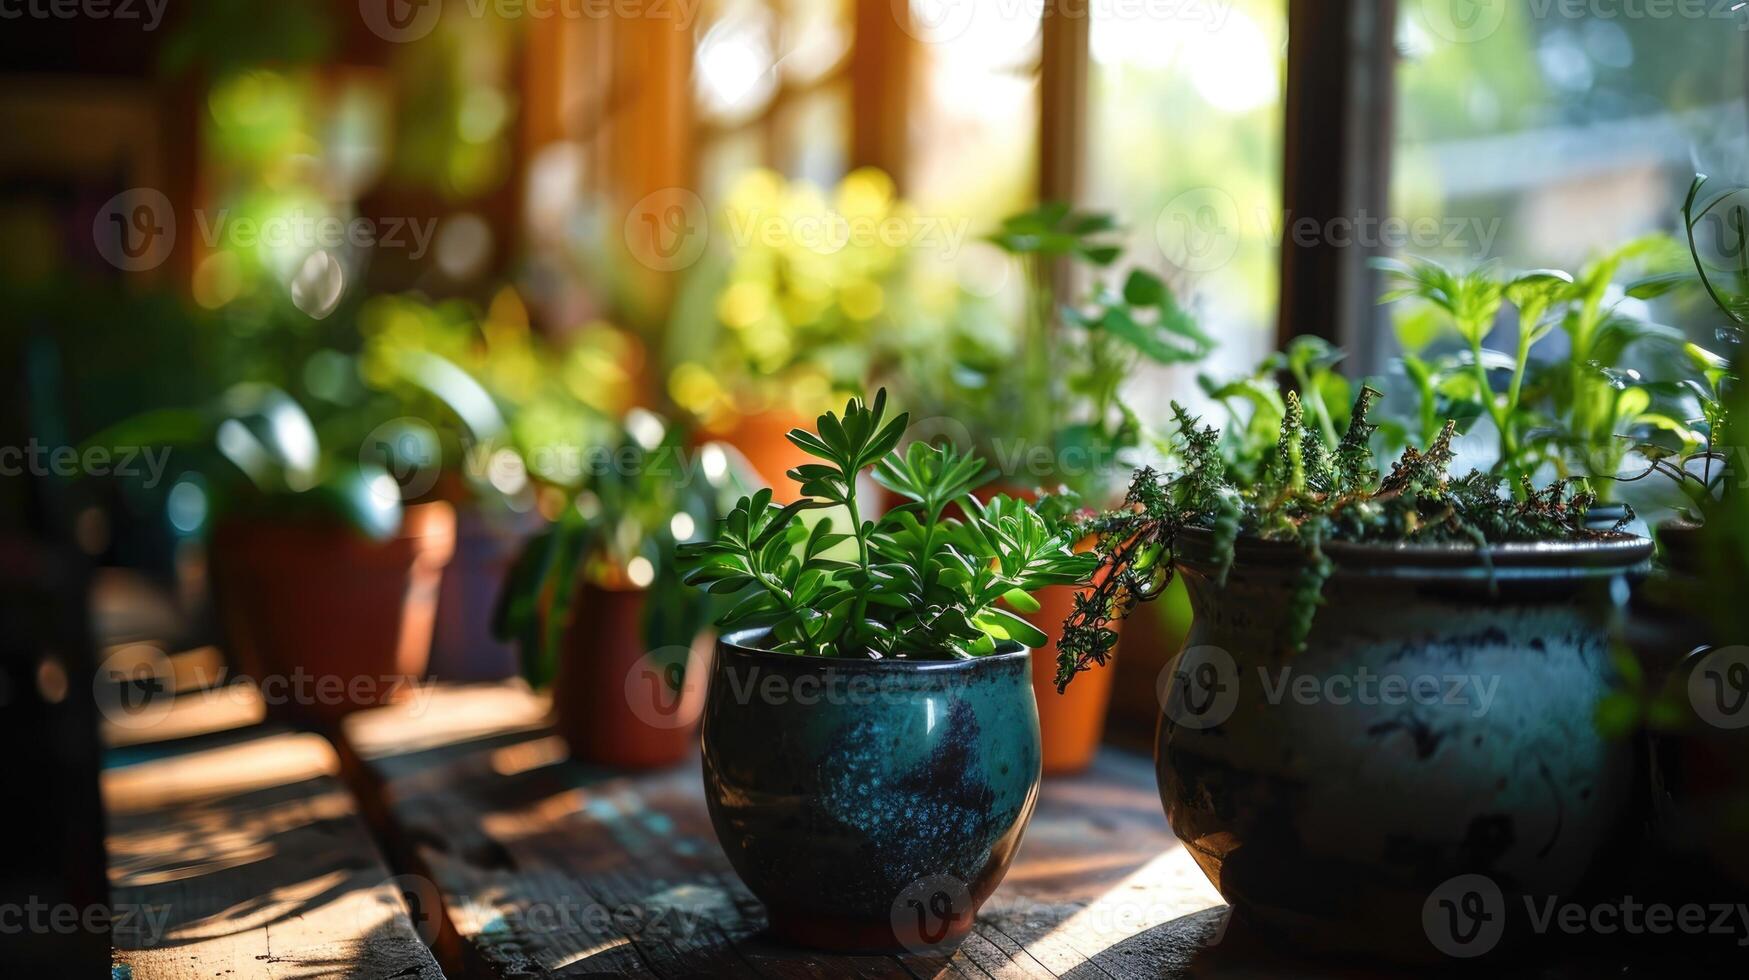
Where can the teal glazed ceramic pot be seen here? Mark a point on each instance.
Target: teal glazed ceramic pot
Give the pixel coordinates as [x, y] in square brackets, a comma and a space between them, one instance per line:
[872, 805]
[1435, 734]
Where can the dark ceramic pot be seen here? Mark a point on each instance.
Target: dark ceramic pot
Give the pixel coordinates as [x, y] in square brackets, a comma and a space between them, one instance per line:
[871, 805]
[1698, 768]
[1437, 724]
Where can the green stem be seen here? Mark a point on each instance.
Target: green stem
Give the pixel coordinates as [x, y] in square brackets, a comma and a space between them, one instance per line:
[1486, 391]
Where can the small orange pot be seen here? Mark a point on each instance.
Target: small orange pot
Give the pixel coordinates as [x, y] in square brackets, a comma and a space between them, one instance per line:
[1071, 724]
[326, 620]
[762, 438]
[615, 701]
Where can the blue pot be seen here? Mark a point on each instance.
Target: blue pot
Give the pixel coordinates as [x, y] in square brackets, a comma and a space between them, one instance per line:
[871, 805]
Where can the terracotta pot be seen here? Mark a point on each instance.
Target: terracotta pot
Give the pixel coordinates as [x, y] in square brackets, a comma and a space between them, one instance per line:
[615, 701]
[872, 805]
[463, 647]
[326, 620]
[1071, 724]
[762, 439]
[1334, 796]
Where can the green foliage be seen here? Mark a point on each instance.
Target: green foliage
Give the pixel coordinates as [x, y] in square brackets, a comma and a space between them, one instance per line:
[1688, 447]
[1057, 385]
[1571, 413]
[1310, 490]
[923, 584]
[261, 456]
[644, 496]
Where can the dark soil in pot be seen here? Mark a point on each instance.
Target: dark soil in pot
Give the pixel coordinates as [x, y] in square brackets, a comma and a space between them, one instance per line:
[871, 805]
[1437, 724]
[326, 620]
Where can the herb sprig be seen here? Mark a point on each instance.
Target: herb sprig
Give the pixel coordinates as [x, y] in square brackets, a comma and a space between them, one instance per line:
[1310, 490]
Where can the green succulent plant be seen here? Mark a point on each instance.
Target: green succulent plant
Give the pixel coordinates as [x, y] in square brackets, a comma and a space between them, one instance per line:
[923, 583]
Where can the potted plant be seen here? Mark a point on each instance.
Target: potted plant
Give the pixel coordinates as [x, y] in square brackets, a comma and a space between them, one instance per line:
[1045, 404]
[325, 580]
[1566, 414]
[871, 752]
[1687, 686]
[510, 417]
[1312, 575]
[596, 603]
[768, 329]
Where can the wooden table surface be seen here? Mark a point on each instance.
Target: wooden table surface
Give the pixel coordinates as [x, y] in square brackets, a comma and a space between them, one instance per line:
[246, 857]
[547, 868]
[482, 840]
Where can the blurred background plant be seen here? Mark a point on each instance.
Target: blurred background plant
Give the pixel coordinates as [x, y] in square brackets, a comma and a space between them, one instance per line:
[1043, 399]
[643, 492]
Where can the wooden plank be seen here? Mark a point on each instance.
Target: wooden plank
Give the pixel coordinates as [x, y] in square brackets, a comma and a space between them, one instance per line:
[249, 859]
[183, 695]
[547, 868]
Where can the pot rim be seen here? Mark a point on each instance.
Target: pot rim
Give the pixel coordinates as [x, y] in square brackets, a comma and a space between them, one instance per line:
[741, 642]
[1605, 556]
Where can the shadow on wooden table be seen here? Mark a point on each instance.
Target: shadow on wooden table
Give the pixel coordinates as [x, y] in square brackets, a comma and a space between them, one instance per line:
[546, 866]
[245, 855]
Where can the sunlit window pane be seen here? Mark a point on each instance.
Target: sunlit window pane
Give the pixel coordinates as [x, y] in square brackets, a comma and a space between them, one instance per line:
[1185, 147]
[975, 129]
[1543, 139]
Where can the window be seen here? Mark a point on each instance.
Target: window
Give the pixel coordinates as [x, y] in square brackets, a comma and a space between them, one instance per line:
[1186, 148]
[1538, 139]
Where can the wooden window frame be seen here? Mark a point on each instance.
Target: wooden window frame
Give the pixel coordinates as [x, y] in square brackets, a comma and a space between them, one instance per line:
[1336, 153]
